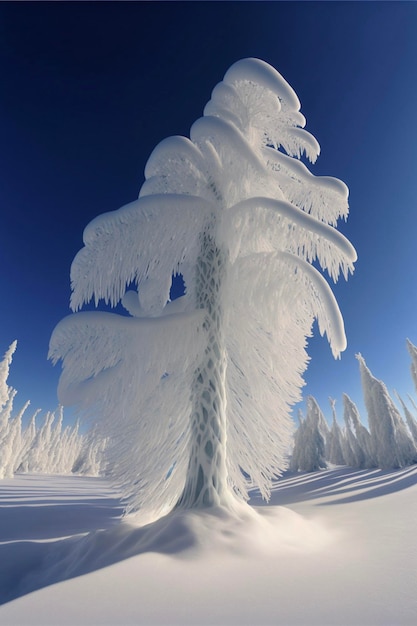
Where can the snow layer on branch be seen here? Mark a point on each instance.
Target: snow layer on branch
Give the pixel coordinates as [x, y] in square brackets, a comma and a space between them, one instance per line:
[271, 105]
[307, 296]
[282, 226]
[114, 364]
[101, 270]
[324, 197]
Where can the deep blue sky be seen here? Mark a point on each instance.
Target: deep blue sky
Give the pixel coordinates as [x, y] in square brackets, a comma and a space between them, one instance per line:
[89, 89]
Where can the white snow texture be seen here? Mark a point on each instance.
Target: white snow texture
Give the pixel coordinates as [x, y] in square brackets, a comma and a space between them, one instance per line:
[213, 376]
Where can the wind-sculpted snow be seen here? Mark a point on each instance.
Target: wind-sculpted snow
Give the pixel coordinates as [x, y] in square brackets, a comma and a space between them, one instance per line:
[46, 449]
[197, 403]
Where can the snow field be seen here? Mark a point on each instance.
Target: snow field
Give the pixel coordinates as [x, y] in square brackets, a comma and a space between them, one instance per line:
[332, 548]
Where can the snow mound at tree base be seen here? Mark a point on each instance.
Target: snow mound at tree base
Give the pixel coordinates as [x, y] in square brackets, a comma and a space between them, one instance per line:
[244, 531]
[241, 530]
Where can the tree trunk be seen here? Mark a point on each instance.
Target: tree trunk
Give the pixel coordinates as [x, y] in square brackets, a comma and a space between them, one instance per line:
[206, 480]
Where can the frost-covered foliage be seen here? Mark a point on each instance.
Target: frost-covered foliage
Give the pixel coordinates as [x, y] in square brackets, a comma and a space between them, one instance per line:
[194, 395]
[47, 449]
[392, 445]
[309, 453]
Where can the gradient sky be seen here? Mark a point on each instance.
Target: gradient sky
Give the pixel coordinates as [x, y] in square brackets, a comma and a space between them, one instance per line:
[89, 89]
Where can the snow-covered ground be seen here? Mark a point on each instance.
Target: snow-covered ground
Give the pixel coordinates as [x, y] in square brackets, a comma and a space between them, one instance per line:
[336, 547]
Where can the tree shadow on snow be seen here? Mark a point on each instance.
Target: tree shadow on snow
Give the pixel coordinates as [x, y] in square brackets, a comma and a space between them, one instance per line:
[43, 542]
[341, 485]
[47, 538]
[35, 519]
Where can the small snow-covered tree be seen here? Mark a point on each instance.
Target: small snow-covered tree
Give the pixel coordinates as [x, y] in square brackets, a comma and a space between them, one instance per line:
[28, 437]
[412, 349]
[194, 395]
[358, 436]
[334, 449]
[309, 454]
[11, 446]
[409, 418]
[392, 446]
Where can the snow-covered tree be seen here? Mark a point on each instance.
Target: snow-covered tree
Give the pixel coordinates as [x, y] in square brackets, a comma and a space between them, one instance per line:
[11, 445]
[392, 446]
[334, 449]
[28, 437]
[194, 395]
[412, 349]
[410, 419]
[358, 437]
[5, 390]
[309, 454]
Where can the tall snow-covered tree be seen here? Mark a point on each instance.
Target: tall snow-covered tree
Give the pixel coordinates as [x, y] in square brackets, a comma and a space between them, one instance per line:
[334, 449]
[194, 395]
[409, 418]
[392, 446]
